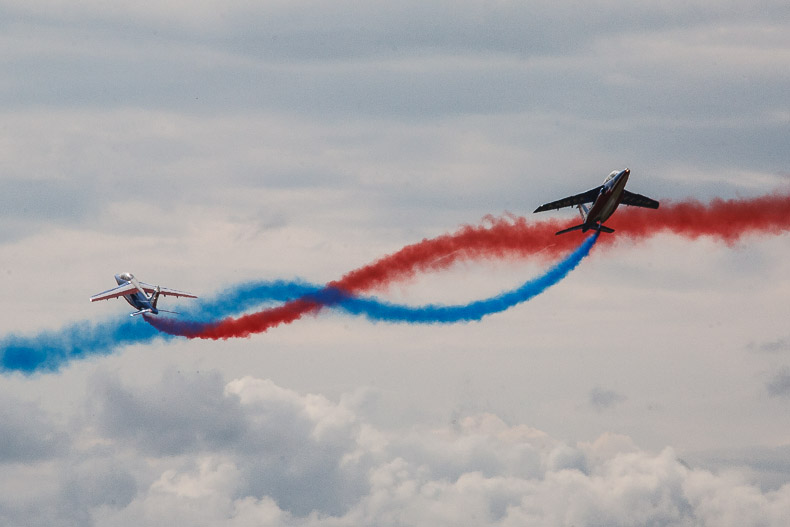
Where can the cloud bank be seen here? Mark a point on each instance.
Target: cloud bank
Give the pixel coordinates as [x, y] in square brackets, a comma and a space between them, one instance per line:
[251, 452]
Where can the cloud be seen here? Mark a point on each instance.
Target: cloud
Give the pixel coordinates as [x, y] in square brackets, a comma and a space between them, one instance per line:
[317, 440]
[180, 415]
[779, 385]
[302, 459]
[155, 112]
[27, 434]
[28, 204]
[308, 30]
[772, 346]
[768, 466]
[261, 424]
[602, 399]
[97, 483]
[614, 64]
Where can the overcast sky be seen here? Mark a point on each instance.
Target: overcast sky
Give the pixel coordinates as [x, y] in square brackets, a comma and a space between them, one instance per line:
[199, 144]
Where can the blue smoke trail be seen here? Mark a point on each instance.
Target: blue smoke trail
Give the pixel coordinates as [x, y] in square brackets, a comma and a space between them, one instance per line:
[379, 310]
[48, 351]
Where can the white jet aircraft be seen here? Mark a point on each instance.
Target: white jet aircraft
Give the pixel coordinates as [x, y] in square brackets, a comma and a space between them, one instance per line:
[140, 295]
[604, 199]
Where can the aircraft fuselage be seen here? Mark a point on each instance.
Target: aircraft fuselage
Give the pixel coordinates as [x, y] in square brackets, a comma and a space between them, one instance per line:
[604, 200]
[608, 199]
[137, 300]
[141, 296]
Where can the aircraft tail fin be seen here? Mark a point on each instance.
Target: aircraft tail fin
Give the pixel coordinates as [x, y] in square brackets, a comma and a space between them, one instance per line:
[584, 211]
[155, 296]
[604, 228]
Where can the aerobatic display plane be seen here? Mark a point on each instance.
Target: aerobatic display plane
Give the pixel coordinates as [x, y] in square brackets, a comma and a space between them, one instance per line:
[141, 296]
[604, 199]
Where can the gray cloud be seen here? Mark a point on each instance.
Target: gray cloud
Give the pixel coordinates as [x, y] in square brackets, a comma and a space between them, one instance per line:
[27, 205]
[95, 483]
[773, 346]
[195, 105]
[420, 60]
[306, 460]
[27, 434]
[184, 413]
[43, 200]
[769, 466]
[779, 385]
[298, 450]
[602, 399]
[349, 29]
[282, 449]
[304, 451]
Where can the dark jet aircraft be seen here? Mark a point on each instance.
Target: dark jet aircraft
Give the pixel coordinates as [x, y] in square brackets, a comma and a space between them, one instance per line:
[140, 295]
[604, 199]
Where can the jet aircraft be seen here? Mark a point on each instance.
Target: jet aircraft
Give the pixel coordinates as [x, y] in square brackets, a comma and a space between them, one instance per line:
[140, 295]
[604, 199]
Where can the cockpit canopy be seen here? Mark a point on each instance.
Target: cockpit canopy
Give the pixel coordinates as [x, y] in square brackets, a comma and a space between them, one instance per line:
[126, 276]
[610, 176]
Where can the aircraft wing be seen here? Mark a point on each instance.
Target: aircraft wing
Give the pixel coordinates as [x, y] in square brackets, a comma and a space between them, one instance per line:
[164, 291]
[570, 201]
[121, 290]
[638, 200]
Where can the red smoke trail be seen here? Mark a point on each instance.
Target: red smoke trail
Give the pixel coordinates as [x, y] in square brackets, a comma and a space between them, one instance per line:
[727, 220]
[258, 322]
[500, 238]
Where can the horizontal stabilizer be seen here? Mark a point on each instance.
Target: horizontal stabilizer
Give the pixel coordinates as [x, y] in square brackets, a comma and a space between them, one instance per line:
[586, 227]
[574, 228]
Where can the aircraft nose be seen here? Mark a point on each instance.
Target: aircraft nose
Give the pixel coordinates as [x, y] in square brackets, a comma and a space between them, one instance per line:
[627, 171]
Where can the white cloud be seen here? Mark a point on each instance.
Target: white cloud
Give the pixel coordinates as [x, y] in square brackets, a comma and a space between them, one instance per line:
[293, 468]
[474, 471]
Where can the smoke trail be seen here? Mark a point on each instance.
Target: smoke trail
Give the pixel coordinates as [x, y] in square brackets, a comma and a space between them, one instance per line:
[727, 220]
[510, 237]
[378, 310]
[315, 297]
[50, 350]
